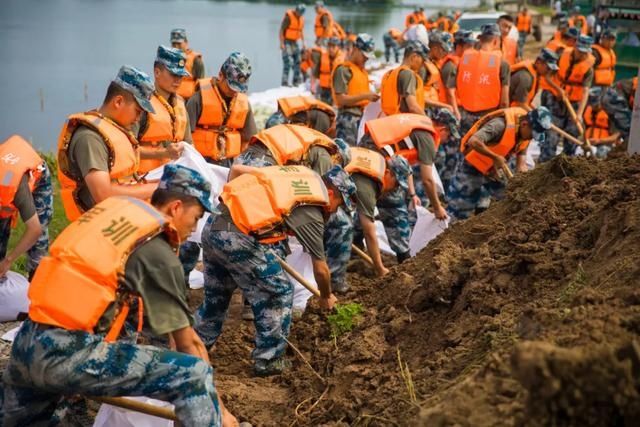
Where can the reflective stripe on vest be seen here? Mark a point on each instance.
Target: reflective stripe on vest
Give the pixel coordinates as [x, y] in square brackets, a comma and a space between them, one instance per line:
[217, 133]
[291, 143]
[392, 134]
[390, 99]
[478, 80]
[296, 25]
[358, 85]
[527, 65]
[504, 148]
[605, 73]
[123, 156]
[367, 162]
[80, 279]
[17, 158]
[188, 84]
[572, 74]
[259, 201]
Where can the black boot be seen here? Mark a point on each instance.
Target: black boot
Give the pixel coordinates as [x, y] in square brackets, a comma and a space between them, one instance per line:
[403, 257]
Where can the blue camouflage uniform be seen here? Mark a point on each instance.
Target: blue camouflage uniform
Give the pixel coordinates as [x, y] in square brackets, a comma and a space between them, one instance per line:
[390, 44]
[291, 57]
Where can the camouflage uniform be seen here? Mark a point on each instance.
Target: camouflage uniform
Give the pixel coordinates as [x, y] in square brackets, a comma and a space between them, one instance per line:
[189, 254]
[291, 61]
[275, 119]
[47, 363]
[347, 127]
[469, 188]
[390, 44]
[43, 200]
[618, 110]
[562, 119]
[338, 237]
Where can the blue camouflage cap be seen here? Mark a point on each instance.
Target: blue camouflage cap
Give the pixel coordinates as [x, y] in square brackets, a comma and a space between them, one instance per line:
[343, 151]
[364, 43]
[178, 35]
[137, 84]
[416, 46]
[237, 70]
[444, 117]
[180, 179]
[584, 44]
[608, 33]
[540, 121]
[300, 8]
[595, 95]
[334, 40]
[173, 59]
[443, 39]
[489, 30]
[550, 58]
[401, 169]
[572, 33]
[340, 179]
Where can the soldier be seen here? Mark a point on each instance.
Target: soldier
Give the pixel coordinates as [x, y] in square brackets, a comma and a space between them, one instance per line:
[579, 21]
[487, 148]
[508, 45]
[323, 62]
[243, 247]
[448, 154]
[324, 24]
[392, 40]
[599, 128]
[69, 346]
[527, 75]
[402, 89]
[25, 189]
[440, 45]
[462, 41]
[193, 63]
[292, 30]
[523, 23]
[350, 88]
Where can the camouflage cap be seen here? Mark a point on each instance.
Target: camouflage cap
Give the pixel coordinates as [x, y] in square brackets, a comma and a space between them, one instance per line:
[237, 70]
[550, 58]
[540, 121]
[584, 44]
[343, 151]
[334, 41]
[444, 117]
[595, 95]
[464, 36]
[608, 33]
[178, 35]
[489, 30]
[401, 169]
[340, 179]
[572, 33]
[180, 179]
[365, 44]
[415, 46]
[443, 39]
[137, 84]
[319, 3]
[300, 8]
[173, 59]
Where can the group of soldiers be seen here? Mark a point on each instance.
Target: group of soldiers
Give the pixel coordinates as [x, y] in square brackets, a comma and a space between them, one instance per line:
[454, 103]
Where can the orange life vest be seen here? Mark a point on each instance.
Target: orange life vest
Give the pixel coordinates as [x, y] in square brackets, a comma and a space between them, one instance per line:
[605, 71]
[413, 18]
[358, 85]
[509, 49]
[327, 64]
[390, 99]
[306, 61]
[597, 123]
[478, 80]
[556, 45]
[367, 162]
[293, 105]
[527, 65]
[188, 85]
[523, 22]
[217, 133]
[395, 34]
[579, 21]
[260, 200]
[290, 144]
[17, 158]
[74, 286]
[572, 74]
[444, 23]
[123, 156]
[296, 25]
[434, 85]
[322, 32]
[507, 145]
[168, 123]
[392, 134]
[338, 31]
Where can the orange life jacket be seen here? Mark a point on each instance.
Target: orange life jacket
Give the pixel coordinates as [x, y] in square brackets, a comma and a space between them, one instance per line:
[392, 134]
[572, 74]
[188, 85]
[478, 80]
[390, 99]
[359, 83]
[367, 162]
[168, 123]
[296, 25]
[306, 61]
[290, 144]
[123, 156]
[523, 22]
[338, 31]
[327, 64]
[597, 123]
[293, 105]
[395, 34]
[507, 145]
[322, 32]
[17, 158]
[413, 18]
[260, 200]
[434, 85]
[605, 71]
[509, 49]
[442, 92]
[444, 23]
[556, 45]
[80, 279]
[579, 21]
[527, 65]
[217, 133]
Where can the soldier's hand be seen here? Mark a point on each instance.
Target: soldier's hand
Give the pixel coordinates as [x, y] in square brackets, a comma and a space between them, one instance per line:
[416, 200]
[174, 150]
[499, 163]
[5, 265]
[373, 97]
[328, 303]
[440, 213]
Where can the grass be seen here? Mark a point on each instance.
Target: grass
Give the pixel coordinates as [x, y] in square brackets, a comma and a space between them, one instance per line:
[344, 319]
[578, 282]
[406, 378]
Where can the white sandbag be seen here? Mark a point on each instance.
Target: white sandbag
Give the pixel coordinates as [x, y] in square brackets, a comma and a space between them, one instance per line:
[533, 153]
[373, 110]
[301, 262]
[196, 279]
[109, 416]
[417, 32]
[13, 296]
[426, 229]
[10, 335]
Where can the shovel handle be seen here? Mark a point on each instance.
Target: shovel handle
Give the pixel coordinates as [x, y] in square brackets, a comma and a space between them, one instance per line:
[362, 254]
[134, 405]
[293, 273]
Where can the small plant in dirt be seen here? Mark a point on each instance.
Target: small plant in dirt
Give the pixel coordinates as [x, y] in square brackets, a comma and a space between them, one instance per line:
[344, 318]
[578, 282]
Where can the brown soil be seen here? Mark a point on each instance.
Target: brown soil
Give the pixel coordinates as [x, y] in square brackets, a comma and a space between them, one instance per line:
[524, 315]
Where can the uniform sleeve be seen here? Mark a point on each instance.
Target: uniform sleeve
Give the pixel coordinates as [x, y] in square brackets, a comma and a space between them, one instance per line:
[491, 132]
[194, 109]
[315, 60]
[197, 71]
[588, 78]
[425, 145]
[341, 79]
[88, 152]
[249, 128]
[155, 272]
[406, 83]
[307, 224]
[23, 199]
[449, 73]
[366, 193]
[320, 160]
[521, 83]
[324, 21]
[187, 132]
[505, 73]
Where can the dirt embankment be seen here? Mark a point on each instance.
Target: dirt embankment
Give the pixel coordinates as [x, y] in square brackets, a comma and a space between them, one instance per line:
[524, 315]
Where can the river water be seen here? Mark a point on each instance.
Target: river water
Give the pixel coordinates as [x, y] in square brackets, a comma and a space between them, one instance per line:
[58, 56]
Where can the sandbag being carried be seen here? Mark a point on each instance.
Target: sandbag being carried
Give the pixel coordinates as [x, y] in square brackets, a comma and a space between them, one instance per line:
[13, 296]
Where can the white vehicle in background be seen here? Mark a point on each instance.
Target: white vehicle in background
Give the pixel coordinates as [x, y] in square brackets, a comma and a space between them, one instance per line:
[472, 21]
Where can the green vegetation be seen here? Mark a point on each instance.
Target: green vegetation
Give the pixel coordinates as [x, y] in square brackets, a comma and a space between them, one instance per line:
[343, 320]
[578, 282]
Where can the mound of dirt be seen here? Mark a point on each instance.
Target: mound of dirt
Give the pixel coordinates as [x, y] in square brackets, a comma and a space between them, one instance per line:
[524, 315]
